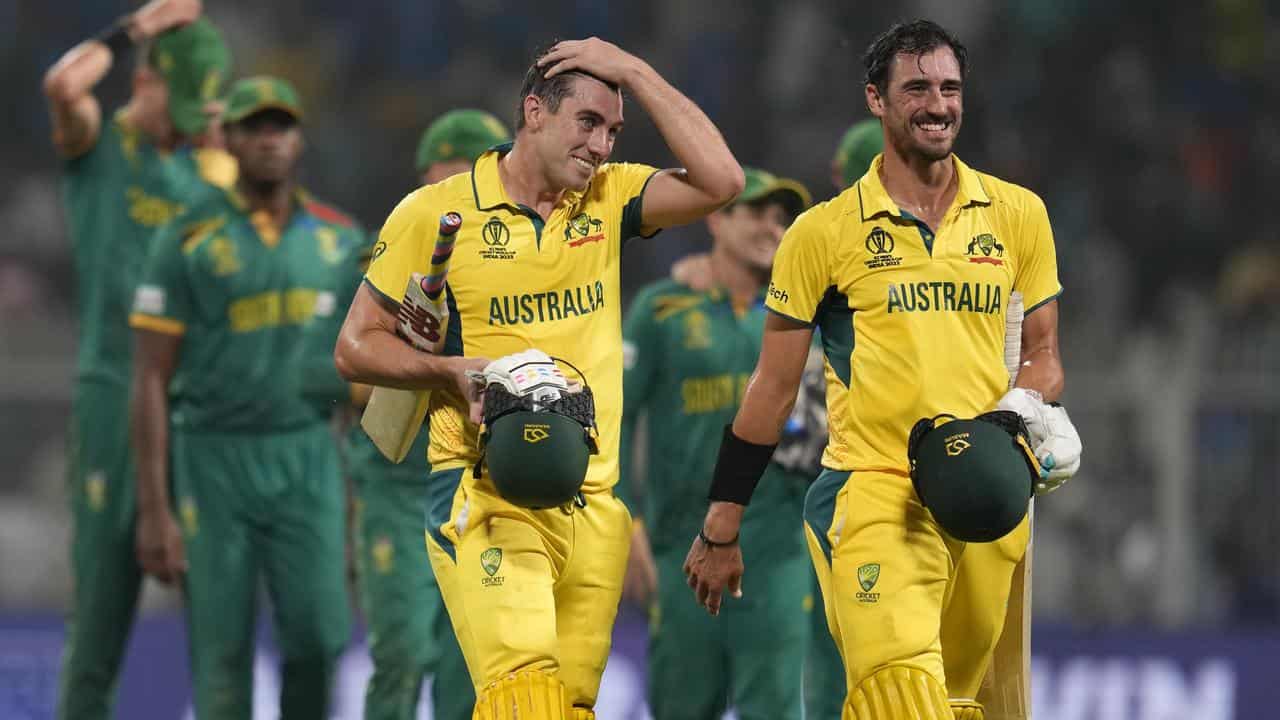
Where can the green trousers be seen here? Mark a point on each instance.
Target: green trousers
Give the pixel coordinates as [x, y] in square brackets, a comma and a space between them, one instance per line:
[409, 631]
[750, 656]
[264, 506]
[824, 684]
[106, 574]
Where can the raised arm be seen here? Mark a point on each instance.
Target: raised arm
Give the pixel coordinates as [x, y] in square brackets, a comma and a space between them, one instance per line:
[710, 177]
[74, 112]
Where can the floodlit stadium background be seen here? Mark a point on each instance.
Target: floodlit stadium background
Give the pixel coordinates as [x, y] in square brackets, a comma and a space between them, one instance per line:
[1151, 129]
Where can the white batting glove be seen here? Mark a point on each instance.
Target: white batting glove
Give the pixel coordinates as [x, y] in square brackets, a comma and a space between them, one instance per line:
[531, 372]
[1054, 439]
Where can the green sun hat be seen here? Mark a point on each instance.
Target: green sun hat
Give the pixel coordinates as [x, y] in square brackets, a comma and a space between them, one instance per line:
[459, 135]
[975, 476]
[264, 92]
[761, 184]
[194, 62]
[859, 146]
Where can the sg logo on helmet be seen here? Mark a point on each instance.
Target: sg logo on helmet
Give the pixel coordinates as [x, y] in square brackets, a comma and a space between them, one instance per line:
[957, 444]
[536, 433]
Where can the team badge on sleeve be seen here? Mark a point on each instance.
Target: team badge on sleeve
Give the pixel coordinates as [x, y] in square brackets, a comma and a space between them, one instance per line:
[149, 299]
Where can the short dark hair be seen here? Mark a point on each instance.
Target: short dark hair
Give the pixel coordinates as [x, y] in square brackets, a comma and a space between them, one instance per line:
[914, 38]
[549, 90]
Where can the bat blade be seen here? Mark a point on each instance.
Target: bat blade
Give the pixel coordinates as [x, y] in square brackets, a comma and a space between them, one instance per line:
[1006, 690]
[393, 416]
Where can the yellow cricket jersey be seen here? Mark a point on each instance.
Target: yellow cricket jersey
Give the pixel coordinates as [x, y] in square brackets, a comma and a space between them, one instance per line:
[912, 320]
[516, 283]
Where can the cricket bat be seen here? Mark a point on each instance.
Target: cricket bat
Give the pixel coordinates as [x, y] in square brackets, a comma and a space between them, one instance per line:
[393, 417]
[1006, 691]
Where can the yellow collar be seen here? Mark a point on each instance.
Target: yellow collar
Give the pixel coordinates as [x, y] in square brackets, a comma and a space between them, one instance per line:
[486, 183]
[875, 200]
[261, 220]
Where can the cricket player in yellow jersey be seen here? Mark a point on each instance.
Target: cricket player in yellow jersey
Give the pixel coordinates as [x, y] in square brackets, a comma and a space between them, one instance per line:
[907, 274]
[532, 594]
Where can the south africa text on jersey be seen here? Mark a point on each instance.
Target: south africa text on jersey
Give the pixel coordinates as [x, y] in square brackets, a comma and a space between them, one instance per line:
[546, 306]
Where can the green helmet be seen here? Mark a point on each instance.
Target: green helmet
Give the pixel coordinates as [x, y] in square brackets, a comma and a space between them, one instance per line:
[537, 451]
[975, 476]
[537, 459]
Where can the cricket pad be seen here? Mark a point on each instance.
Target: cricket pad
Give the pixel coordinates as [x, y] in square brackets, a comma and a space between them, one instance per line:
[975, 476]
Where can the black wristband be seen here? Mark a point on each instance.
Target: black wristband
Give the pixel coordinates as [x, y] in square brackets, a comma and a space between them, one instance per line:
[116, 37]
[738, 468]
[713, 544]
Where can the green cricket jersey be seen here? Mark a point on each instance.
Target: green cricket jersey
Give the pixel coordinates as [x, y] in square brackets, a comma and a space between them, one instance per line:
[688, 357]
[241, 292]
[326, 389]
[117, 194]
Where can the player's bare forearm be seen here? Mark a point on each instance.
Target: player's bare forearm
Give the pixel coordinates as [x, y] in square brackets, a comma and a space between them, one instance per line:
[74, 112]
[771, 392]
[711, 176]
[368, 350]
[770, 395]
[1041, 365]
[156, 357]
[68, 85]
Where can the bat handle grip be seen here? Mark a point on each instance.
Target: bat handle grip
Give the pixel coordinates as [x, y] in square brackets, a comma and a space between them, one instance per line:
[450, 222]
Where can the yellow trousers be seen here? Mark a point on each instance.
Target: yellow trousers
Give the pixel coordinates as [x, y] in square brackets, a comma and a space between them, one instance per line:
[528, 589]
[897, 590]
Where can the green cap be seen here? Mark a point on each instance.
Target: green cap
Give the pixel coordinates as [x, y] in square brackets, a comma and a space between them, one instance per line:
[255, 94]
[194, 61]
[859, 146]
[974, 476]
[761, 184]
[459, 135]
[537, 459]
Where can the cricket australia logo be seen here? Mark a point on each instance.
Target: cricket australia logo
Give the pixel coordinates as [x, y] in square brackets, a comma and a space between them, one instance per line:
[986, 249]
[490, 562]
[868, 576]
[585, 228]
[496, 237]
[879, 245]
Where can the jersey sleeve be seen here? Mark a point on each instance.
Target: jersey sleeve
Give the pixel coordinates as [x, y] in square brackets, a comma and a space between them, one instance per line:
[627, 183]
[801, 270]
[1036, 276]
[640, 352]
[162, 302]
[404, 244]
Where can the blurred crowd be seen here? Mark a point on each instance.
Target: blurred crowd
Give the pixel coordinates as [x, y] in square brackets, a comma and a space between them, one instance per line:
[1151, 130]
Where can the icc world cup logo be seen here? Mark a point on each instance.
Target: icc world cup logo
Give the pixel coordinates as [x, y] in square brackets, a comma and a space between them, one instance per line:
[879, 242]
